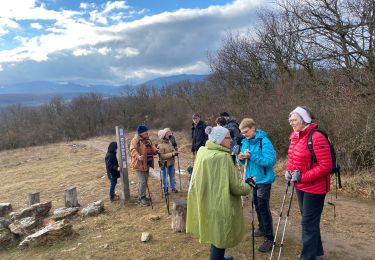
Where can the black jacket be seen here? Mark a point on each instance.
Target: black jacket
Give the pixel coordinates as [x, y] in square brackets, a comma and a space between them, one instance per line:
[198, 136]
[235, 133]
[111, 162]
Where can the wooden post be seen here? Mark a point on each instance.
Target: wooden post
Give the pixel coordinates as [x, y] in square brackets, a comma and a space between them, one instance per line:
[179, 215]
[70, 197]
[33, 198]
[124, 179]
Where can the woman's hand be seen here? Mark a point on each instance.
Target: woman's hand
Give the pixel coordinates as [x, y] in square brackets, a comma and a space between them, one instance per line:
[244, 156]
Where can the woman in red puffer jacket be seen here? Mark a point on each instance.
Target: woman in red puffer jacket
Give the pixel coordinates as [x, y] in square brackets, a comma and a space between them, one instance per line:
[311, 180]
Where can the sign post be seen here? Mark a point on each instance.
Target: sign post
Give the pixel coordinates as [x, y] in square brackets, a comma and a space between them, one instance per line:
[120, 135]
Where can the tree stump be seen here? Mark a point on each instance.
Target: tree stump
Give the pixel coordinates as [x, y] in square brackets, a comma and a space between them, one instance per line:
[33, 198]
[70, 197]
[179, 215]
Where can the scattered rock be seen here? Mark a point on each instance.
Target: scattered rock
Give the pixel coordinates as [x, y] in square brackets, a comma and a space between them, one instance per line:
[25, 226]
[105, 246]
[5, 208]
[146, 236]
[71, 249]
[37, 210]
[48, 234]
[6, 237]
[154, 217]
[62, 213]
[93, 209]
[4, 223]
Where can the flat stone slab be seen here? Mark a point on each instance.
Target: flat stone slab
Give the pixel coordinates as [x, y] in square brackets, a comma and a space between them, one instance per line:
[93, 209]
[25, 226]
[62, 213]
[48, 235]
[38, 210]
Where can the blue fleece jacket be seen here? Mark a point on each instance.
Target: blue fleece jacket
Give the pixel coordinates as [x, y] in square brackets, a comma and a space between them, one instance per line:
[262, 158]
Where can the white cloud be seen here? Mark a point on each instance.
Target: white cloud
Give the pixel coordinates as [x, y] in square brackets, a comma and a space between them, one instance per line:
[110, 6]
[37, 26]
[162, 44]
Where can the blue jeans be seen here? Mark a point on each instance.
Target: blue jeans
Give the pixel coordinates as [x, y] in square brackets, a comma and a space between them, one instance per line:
[113, 182]
[169, 170]
[261, 198]
[311, 207]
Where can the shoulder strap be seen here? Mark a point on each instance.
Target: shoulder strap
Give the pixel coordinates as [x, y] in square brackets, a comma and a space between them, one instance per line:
[261, 148]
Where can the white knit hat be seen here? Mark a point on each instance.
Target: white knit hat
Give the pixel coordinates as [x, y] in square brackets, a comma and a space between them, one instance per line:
[216, 134]
[161, 133]
[304, 114]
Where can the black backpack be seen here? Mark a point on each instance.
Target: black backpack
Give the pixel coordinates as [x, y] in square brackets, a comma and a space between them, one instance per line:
[335, 166]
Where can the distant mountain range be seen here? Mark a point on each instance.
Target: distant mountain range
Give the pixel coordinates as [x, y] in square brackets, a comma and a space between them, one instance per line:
[41, 92]
[163, 81]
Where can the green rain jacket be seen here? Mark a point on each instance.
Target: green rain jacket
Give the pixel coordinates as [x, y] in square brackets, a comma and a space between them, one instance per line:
[214, 210]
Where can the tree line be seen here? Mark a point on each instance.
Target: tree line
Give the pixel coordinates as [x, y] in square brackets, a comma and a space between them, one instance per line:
[316, 53]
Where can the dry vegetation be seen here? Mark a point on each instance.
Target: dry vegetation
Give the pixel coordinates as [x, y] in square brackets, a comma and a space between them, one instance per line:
[116, 234]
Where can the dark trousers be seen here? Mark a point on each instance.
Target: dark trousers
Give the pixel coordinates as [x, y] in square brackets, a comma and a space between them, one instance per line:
[261, 198]
[113, 182]
[217, 253]
[311, 207]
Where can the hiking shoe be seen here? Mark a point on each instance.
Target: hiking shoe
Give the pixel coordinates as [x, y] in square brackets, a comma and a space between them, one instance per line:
[266, 246]
[144, 202]
[258, 233]
[228, 257]
[174, 191]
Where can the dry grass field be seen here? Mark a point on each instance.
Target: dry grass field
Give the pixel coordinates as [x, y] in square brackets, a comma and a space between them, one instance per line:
[116, 233]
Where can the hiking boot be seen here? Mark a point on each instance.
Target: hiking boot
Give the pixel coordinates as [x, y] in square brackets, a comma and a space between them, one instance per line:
[320, 257]
[258, 233]
[174, 191]
[228, 257]
[266, 246]
[144, 202]
[116, 197]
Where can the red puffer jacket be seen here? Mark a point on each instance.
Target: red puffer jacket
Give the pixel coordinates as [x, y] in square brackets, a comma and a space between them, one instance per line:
[315, 179]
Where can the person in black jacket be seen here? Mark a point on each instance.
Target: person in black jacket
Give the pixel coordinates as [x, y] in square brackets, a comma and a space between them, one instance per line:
[113, 169]
[235, 133]
[198, 135]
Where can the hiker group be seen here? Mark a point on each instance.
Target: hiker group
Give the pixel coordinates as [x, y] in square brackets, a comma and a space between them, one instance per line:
[231, 161]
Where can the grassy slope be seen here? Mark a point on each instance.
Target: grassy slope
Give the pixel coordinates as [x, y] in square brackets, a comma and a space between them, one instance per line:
[115, 234]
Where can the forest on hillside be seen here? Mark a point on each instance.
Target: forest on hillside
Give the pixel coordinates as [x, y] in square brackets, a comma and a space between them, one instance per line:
[315, 53]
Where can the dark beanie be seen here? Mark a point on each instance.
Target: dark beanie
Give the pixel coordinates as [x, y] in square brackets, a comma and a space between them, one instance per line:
[141, 129]
[224, 114]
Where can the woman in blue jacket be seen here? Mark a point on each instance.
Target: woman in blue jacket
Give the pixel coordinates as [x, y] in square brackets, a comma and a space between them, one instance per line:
[258, 150]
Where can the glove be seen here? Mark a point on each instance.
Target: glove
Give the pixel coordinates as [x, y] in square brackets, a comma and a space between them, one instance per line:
[288, 175]
[251, 182]
[296, 176]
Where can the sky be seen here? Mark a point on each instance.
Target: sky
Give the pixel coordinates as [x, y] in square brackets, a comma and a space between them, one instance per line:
[115, 42]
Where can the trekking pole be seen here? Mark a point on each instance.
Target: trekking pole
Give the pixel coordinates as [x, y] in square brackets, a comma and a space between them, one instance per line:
[280, 216]
[252, 223]
[252, 214]
[149, 194]
[179, 170]
[166, 196]
[161, 184]
[286, 221]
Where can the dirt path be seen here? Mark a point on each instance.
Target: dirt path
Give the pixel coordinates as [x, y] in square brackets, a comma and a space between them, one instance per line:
[350, 235]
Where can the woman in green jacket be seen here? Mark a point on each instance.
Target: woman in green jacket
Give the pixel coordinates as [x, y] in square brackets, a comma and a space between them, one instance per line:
[214, 210]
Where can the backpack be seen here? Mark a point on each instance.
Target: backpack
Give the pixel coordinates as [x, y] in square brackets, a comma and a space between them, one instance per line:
[335, 166]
